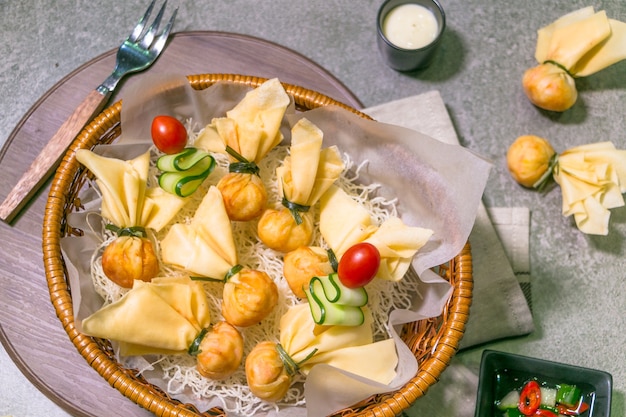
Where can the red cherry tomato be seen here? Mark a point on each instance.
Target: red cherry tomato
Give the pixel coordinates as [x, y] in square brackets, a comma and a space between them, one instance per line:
[168, 134]
[358, 266]
[530, 398]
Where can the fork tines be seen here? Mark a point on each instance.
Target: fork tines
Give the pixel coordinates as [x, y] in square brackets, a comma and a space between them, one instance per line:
[147, 35]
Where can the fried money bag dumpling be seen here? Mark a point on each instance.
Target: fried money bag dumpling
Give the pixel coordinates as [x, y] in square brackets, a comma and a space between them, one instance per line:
[131, 208]
[578, 44]
[248, 297]
[248, 132]
[303, 178]
[270, 366]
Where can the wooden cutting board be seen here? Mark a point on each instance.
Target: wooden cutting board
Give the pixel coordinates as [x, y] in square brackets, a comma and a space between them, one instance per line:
[30, 331]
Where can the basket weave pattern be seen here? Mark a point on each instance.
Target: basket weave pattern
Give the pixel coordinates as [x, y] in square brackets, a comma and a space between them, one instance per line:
[433, 341]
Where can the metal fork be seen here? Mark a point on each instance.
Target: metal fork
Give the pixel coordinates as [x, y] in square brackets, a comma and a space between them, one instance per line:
[136, 53]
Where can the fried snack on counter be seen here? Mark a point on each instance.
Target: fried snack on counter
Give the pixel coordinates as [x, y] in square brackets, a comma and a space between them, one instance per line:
[528, 158]
[578, 44]
[592, 177]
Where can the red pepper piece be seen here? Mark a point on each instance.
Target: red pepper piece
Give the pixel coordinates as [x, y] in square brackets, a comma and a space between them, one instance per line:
[530, 398]
[576, 411]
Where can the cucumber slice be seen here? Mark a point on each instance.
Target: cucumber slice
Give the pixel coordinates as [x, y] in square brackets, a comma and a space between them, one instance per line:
[336, 292]
[510, 400]
[184, 183]
[181, 161]
[326, 312]
[331, 314]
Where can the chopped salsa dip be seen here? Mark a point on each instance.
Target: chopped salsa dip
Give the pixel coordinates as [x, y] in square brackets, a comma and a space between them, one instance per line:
[519, 396]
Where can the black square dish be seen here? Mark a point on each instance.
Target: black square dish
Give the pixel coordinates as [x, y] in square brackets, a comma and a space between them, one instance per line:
[502, 372]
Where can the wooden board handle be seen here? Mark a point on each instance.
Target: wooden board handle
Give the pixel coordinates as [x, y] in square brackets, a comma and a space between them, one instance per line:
[46, 162]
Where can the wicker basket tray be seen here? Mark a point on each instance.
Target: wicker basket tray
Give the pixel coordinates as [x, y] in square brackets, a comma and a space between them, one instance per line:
[433, 341]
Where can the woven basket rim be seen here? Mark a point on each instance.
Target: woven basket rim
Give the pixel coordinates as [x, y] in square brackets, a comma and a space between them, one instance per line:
[433, 353]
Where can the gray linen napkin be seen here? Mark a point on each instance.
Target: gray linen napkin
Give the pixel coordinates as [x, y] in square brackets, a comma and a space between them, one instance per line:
[499, 307]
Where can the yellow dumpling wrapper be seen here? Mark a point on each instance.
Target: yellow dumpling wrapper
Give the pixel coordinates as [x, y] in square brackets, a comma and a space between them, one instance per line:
[344, 223]
[210, 140]
[126, 199]
[205, 246]
[309, 170]
[584, 42]
[348, 348]
[397, 243]
[592, 179]
[163, 316]
[161, 207]
[252, 127]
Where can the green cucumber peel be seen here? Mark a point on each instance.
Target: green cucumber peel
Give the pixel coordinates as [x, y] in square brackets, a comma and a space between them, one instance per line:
[335, 292]
[568, 395]
[182, 161]
[331, 314]
[331, 303]
[185, 183]
[181, 185]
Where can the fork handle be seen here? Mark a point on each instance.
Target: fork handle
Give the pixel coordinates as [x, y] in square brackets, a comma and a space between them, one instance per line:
[46, 162]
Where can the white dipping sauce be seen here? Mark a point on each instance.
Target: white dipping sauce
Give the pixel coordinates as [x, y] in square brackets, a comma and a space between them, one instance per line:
[410, 26]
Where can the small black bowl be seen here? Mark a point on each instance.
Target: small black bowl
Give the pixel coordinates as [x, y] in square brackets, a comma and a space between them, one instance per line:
[501, 372]
[402, 59]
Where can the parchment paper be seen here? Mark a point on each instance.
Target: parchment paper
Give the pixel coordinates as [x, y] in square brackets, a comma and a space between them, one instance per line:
[437, 186]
